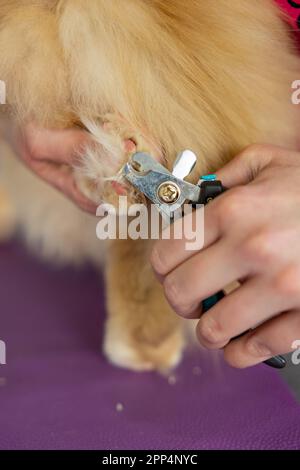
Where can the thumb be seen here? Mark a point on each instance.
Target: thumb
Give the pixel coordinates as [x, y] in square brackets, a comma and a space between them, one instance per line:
[246, 166]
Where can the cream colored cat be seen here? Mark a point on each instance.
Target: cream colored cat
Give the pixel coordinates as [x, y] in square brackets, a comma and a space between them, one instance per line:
[210, 76]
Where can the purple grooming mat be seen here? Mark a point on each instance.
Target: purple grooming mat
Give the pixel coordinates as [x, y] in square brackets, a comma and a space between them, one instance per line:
[58, 392]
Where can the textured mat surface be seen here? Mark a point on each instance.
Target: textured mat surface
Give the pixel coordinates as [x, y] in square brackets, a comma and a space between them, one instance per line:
[58, 392]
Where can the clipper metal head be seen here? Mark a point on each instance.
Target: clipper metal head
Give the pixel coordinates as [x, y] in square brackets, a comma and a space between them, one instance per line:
[168, 191]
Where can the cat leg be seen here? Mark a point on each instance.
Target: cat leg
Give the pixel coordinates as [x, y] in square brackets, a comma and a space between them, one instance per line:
[142, 333]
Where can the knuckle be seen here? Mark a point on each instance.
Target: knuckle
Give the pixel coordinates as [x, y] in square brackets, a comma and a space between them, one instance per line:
[256, 156]
[287, 282]
[260, 249]
[256, 149]
[232, 205]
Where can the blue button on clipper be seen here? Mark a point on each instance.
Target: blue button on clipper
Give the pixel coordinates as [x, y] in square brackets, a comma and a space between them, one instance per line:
[209, 177]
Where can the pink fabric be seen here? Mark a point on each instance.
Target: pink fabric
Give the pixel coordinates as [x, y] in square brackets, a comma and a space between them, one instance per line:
[292, 8]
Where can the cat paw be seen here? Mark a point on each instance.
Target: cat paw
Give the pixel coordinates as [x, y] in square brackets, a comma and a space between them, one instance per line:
[127, 353]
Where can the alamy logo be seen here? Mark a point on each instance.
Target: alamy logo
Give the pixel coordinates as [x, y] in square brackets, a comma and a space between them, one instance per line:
[2, 92]
[137, 221]
[296, 353]
[2, 353]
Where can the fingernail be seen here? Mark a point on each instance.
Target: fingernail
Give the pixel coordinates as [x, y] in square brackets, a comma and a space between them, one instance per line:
[130, 146]
[119, 188]
[208, 330]
[258, 349]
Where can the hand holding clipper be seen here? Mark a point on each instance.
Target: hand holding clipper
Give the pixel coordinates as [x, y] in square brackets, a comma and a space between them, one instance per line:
[168, 191]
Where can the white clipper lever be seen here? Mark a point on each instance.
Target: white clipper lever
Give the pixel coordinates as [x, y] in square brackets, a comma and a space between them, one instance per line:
[184, 164]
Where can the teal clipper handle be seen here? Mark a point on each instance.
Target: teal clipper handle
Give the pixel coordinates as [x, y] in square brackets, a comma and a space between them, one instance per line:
[210, 189]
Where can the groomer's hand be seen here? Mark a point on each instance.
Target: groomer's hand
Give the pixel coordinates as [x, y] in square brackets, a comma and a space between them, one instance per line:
[252, 234]
[50, 154]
